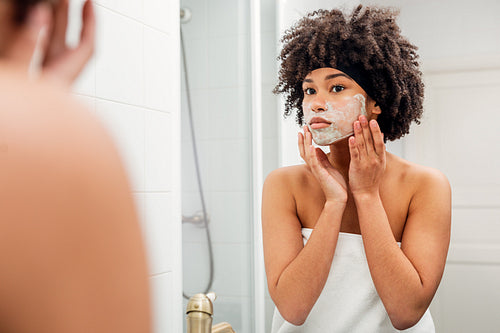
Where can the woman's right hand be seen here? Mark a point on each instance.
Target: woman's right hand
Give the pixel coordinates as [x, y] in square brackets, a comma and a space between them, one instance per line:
[331, 180]
[45, 32]
[62, 63]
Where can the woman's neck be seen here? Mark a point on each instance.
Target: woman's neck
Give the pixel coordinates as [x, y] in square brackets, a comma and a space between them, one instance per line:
[340, 157]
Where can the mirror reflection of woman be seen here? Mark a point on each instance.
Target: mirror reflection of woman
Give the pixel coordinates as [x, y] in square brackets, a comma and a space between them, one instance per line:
[354, 240]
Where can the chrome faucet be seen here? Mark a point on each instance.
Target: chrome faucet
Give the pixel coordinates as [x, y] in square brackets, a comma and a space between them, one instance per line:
[199, 315]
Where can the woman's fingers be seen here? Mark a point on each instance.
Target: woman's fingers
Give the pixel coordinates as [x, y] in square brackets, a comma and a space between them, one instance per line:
[367, 134]
[308, 135]
[301, 146]
[360, 140]
[309, 150]
[65, 64]
[378, 137]
[307, 142]
[85, 48]
[87, 35]
[57, 44]
[353, 149]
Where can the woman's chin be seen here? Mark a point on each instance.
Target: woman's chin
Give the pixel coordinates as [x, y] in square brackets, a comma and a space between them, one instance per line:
[331, 141]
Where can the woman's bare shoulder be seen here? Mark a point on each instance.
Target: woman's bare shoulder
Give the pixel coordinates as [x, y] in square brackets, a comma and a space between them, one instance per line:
[24, 102]
[418, 176]
[289, 175]
[68, 198]
[42, 118]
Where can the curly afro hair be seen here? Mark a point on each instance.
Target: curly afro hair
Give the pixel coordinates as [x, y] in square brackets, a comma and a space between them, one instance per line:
[368, 41]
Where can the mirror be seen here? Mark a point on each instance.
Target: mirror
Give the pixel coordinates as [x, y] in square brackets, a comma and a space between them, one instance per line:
[459, 52]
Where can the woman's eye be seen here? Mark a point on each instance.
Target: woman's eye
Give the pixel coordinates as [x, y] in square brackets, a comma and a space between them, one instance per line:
[337, 88]
[309, 91]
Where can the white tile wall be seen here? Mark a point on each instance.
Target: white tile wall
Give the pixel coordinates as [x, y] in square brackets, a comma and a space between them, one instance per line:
[159, 239]
[158, 69]
[194, 233]
[227, 18]
[133, 85]
[197, 66]
[190, 182]
[233, 269]
[158, 156]
[199, 102]
[229, 166]
[119, 58]
[126, 123]
[130, 8]
[226, 208]
[465, 28]
[196, 265]
[469, 299]
[228, 111]
[163, 291]
[161, 14]
[239, 309]
[228, 57]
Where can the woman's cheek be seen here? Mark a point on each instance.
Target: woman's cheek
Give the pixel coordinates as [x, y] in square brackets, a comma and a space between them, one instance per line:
[350, 115]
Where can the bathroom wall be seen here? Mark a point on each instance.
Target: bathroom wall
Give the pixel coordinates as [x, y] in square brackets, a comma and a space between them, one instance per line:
[460, 53]
[132, 84]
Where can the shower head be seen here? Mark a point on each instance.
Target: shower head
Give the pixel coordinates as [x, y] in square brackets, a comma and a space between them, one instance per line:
[185, 15]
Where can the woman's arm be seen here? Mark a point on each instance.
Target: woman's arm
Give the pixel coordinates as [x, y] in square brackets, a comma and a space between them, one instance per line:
[296, 274]
[406, 278]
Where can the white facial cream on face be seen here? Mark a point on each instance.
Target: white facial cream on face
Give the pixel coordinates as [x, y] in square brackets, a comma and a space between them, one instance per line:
[336, 122]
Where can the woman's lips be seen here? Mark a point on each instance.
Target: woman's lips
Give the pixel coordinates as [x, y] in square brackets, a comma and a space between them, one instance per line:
[317, 123]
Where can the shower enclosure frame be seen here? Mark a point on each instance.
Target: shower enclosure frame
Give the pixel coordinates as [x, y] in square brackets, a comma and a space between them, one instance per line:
[257, 165]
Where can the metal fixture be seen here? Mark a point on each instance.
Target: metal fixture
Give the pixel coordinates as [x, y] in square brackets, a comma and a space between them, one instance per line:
[199, 312]
[185, 15]
[198, 219]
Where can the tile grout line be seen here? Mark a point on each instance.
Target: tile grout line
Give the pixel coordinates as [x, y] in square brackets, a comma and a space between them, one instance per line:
[133, 19]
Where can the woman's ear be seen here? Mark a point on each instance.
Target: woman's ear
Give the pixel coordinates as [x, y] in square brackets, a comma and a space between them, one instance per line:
[375, 108]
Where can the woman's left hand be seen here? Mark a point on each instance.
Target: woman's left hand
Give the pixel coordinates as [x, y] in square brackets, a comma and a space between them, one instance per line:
[368, 162]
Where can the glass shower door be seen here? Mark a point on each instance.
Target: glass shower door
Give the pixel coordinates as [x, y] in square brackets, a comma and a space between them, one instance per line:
[216, 158]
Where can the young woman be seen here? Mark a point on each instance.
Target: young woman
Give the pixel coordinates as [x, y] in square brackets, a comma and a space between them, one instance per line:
[354, 240]
[71, 252]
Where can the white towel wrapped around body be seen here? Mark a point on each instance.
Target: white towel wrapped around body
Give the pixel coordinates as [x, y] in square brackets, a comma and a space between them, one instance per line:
[349, 302]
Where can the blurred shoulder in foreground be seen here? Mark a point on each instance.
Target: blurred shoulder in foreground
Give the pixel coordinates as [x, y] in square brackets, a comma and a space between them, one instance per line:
[71, 252]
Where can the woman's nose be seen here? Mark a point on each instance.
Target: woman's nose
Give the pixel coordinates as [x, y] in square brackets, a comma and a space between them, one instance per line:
[318, 104]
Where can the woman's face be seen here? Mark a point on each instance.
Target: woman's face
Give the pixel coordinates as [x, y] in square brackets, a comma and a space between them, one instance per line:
[332, 103]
